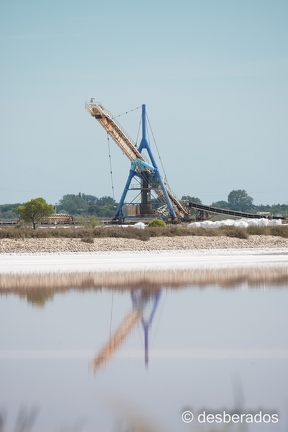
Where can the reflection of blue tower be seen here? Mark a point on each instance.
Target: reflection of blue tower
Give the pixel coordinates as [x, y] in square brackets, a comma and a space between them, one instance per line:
[144, 308]
[146, 304]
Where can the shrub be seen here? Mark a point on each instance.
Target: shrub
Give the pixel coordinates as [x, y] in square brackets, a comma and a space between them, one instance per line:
[237, 233]
[157, 223]
[143, 235]
[256, 230]
[279, 230]
[156, 231]
[86, 222]
[204, 232]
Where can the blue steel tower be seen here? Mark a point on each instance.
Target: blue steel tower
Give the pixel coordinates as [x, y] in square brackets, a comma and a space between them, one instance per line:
[149, 176]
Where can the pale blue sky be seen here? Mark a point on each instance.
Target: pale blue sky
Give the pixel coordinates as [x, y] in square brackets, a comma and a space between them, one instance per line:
[213, 74]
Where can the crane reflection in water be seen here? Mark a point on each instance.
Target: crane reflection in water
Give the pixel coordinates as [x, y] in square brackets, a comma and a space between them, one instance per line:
[144, 306]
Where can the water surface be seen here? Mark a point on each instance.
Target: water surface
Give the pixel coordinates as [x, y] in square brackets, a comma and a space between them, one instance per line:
[209, 348]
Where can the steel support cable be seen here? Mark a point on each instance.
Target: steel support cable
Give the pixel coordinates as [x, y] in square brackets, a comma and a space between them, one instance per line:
[165, 177]
[127, 112]
[110, 164]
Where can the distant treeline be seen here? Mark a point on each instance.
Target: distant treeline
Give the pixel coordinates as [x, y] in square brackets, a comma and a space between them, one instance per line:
[275, 209]
[239, 200]
[9, 211]
[77, 205]
[89, 205]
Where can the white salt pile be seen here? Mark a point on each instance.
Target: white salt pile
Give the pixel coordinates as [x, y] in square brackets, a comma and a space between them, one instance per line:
[241, 223]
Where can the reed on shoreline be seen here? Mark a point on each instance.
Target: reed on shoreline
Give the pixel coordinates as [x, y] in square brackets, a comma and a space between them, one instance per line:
[253, 277]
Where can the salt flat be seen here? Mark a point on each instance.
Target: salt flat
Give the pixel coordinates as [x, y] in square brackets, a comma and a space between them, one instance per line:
[133, 261]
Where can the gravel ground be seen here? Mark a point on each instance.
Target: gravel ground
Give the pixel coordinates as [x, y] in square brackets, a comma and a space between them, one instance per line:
[51, 245]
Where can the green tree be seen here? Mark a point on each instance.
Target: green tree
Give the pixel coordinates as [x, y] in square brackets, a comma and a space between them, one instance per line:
[106, 211]
[106, 200]
[220, 204]
[34, 210]
[240, 200]
[82, 204]
[90, 199]
[73, 204]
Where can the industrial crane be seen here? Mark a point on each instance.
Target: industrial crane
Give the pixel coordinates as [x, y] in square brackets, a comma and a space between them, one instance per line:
[145, 171]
